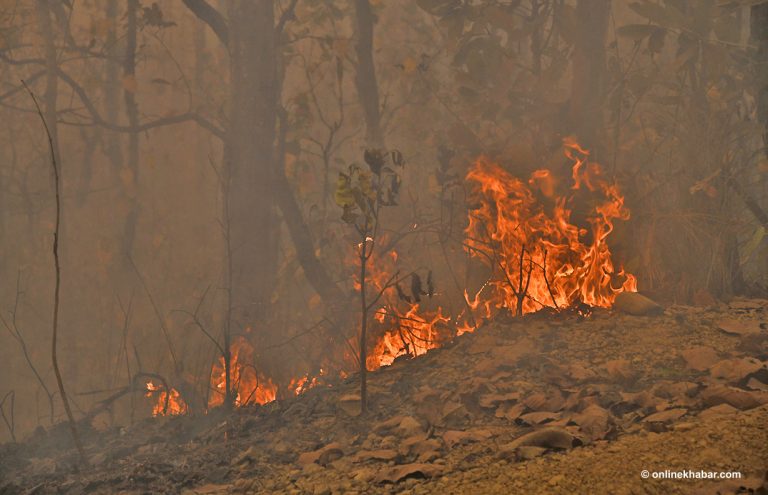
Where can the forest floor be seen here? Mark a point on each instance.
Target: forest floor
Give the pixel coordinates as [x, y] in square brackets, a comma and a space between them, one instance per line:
[555, 404]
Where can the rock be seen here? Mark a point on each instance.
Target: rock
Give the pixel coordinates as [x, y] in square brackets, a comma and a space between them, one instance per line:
[636, 304]
[323, 456]
[396, 474]
[509, 412]
[422, 446]
[719, 410]
[552, 401]
[528, 452]
[665, 416]
[593, 421]
[453, 437]
[736, 397]
[490, 401]
[364, 475]
[536, 418]
[549, 438]
[620, 370]
[739, 327]
[377, 455]
[409, 427]
[734, 370]
[699, 358]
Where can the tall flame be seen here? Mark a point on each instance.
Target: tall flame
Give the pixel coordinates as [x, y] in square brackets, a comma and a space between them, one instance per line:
[523, 231]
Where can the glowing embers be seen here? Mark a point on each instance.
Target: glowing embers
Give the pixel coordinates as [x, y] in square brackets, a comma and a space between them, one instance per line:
[523, 231]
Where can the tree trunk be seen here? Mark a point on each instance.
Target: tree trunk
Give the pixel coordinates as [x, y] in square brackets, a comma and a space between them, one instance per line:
[249, 160]
[365, 79]
[130, 174]
[588, 84]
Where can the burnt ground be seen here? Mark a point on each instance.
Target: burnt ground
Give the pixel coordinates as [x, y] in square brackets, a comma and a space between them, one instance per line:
[535, 405]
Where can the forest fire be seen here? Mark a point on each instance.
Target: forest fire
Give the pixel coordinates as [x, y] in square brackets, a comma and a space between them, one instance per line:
[524, 231]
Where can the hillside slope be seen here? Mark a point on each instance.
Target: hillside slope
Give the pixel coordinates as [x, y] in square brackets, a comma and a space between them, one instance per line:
[543, 404]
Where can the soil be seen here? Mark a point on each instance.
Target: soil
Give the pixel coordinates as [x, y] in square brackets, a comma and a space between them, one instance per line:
[541, 404]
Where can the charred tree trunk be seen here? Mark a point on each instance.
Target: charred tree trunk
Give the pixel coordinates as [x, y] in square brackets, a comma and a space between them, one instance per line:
[587, 88]
[365, 80]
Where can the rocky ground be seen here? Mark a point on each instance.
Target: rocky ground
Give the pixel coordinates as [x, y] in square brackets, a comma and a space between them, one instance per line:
[542, 404]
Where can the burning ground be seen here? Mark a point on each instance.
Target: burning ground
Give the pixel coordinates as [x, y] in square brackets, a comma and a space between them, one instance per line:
[538, 404]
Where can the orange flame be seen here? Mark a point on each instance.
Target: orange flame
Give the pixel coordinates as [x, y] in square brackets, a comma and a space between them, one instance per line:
[250, 386]
[525, 234]
[413, 333]
[175, 404]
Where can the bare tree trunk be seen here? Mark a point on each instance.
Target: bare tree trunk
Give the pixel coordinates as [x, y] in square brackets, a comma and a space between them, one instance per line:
[256, 176]
[112, 87]
[252, 238]
[130, 174]
[365, 80]
[587, 88]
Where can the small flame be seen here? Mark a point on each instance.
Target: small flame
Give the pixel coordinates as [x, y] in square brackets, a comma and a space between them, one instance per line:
[249, 386]
[166, 404]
